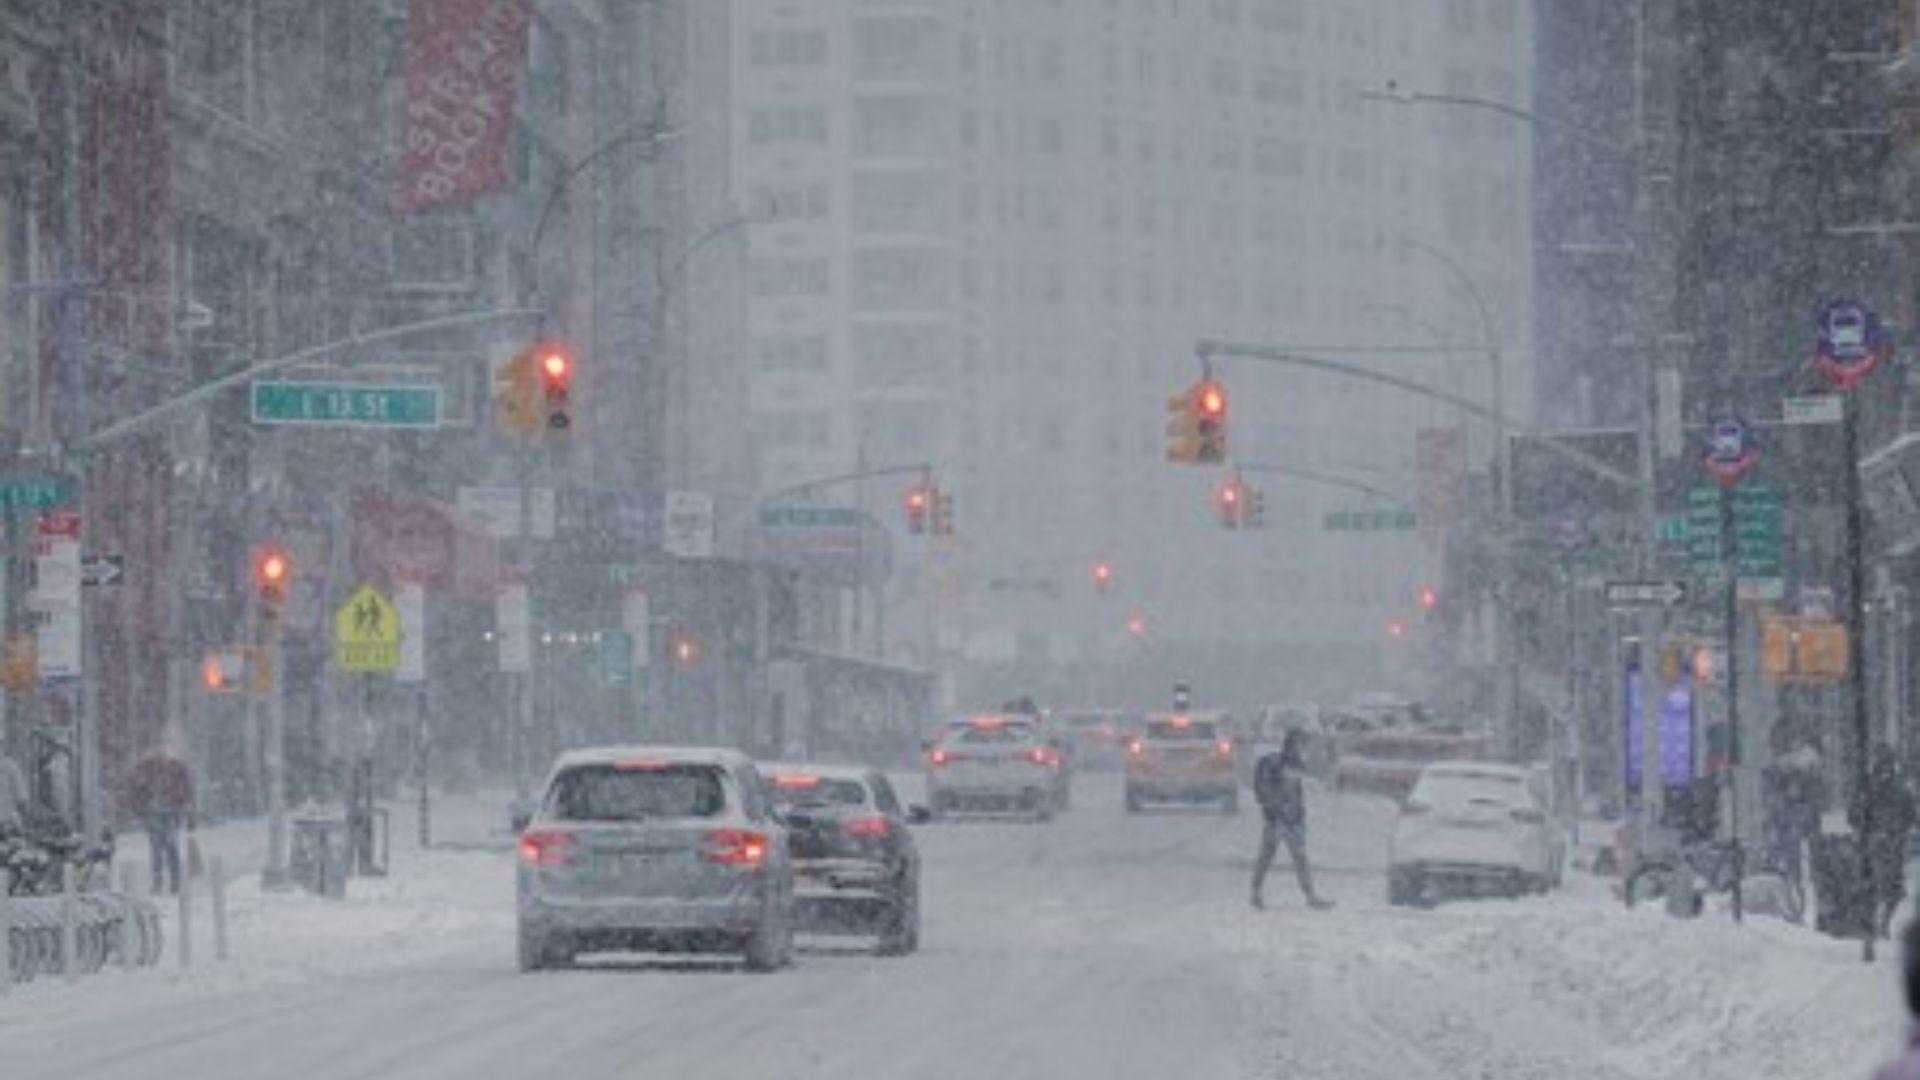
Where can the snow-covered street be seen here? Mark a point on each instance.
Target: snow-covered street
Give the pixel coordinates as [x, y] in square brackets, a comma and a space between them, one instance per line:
[1101, 944]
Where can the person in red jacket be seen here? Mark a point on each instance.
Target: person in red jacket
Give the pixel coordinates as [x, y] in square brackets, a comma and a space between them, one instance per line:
[160, 793]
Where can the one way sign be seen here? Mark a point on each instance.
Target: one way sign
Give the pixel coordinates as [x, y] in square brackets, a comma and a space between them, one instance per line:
[103, 570]
[1645, 593]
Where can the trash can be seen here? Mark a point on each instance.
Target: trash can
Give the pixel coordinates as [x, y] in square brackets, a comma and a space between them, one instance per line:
[1842, 896]
[321, 856]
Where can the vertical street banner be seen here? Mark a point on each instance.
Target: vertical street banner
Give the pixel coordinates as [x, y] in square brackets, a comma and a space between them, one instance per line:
[55, 601]
[465, 62]
[1441, 454]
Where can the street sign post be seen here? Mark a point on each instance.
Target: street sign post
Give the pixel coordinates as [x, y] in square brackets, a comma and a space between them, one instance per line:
[1810, 409]
[1730, 450]
[410, 604]
[366, 634]
[97, 570]
[35, 492]
[345, 404]
[1370, 521]
[1850, 341]
[1634, 594]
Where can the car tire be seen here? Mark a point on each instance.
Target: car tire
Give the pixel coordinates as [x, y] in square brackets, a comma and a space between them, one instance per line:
[900, 933]
[938, 806]
[1403, 887]
[1042, 807]
[770, 947]
[536, 949]
[1133, 802]
[1230, 805]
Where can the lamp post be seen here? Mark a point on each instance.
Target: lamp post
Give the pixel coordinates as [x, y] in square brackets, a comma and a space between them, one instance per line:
[1644, 301]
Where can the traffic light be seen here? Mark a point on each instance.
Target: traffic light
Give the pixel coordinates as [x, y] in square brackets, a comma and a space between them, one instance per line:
[1232, 500]
[918, 502]
[1210, 407]
[272, 568]
[1103, 577]
[1137, 626]
[1429, 600]
[686, 650]
[942, 513]
[1197, 424]
[1396, 629]
[1253, 507]
[517, 394]
[555, 367]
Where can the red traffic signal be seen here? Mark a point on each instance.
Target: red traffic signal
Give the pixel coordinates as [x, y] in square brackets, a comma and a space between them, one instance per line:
[1396, 629]
[1102, 576]
[554, 364]
[1137, 626]
[271, 569]
[1429, 599]
[1232, 498]
[918, 500]
[1211, 399]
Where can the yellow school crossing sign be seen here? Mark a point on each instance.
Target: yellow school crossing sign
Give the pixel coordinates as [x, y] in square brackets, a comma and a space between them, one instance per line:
[366, 634]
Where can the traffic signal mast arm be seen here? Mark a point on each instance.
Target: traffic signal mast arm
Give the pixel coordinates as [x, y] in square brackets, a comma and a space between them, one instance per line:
[1327, 479]
[1207, 350]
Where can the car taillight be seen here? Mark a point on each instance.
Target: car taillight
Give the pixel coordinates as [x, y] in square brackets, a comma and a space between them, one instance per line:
[546, 848]
[1043, 757]
[1224, 748]
[736, 847]
[937, 758]
[1136, 748]
[875, 828]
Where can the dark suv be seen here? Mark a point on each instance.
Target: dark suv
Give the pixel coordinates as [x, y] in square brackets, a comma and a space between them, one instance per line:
[855, 867]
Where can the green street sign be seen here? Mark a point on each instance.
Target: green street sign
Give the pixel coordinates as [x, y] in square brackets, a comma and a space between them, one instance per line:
[345, 404]
[616, 657]
[35, 492]
[1370, 521]
[1672, 529]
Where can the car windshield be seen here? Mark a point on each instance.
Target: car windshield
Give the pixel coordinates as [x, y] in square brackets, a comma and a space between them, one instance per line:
[617, 793]
[1181, 731]
[1454, 790]
[992, 735]
[790, 790]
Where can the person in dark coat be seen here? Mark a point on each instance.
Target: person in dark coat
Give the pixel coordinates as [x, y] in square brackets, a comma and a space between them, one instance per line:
[1278, 784]
[160, 794]
[1886, 819]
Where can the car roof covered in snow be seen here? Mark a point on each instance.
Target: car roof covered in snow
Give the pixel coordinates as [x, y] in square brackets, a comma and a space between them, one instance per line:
[672, 755]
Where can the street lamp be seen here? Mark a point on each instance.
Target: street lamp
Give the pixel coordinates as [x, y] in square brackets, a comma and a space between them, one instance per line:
[1637, 153]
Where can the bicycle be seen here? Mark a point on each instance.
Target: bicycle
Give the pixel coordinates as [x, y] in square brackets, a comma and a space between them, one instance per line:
[1781, 871]
[1714, 864]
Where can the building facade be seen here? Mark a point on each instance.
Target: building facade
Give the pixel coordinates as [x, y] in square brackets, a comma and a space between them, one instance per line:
[1001, 230]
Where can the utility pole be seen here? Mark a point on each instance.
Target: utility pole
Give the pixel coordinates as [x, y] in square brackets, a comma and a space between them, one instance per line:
[1645, 308]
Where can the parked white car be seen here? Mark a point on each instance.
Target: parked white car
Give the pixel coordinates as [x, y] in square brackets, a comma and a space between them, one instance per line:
[1472, 828]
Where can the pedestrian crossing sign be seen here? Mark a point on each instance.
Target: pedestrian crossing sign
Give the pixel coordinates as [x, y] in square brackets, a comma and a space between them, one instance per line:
[366, 634]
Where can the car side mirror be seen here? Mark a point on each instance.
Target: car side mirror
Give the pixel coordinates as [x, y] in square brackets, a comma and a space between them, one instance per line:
[918, 815]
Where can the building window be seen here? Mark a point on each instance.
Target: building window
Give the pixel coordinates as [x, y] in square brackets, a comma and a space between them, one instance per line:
[788, 48]
[792, 202]
[787, 124]
[898, 126]
[772, 277]
[797, 352]
[899, 202]
[893, 49]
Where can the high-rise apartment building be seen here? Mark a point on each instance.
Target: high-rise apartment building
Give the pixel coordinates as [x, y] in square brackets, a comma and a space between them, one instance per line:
[997, 230]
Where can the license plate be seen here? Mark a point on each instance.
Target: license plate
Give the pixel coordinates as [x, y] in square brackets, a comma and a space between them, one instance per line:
[628, 862]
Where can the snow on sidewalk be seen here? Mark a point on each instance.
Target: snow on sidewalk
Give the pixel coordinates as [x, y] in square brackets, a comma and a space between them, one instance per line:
[1569, 986]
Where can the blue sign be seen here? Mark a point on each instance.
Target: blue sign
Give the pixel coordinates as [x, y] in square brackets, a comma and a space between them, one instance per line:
[1730, 449]
[1676, 732]
[1849, 343]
